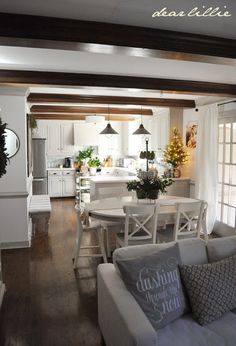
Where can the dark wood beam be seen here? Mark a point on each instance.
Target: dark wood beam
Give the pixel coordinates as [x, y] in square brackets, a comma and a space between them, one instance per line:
[50, 116]
[30, 28]
[121, 100]
[89, 110]
[31, 78]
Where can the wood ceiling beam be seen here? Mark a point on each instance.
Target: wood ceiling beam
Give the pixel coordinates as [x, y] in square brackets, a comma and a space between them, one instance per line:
[58, 116]
[36, 28]
[90, 110]
[39, 78]
[122, 100]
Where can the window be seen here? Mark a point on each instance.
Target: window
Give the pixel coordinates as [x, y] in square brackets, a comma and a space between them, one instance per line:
[227, 171]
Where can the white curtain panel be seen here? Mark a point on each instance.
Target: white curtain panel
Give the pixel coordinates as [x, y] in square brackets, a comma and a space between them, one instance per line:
[206, 161]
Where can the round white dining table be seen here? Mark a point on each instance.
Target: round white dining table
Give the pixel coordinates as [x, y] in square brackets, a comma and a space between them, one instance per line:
[111, 209]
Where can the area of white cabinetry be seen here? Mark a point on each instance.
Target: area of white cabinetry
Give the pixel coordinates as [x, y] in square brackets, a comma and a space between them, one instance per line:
[60, 138]
[59, 135]
[157, 125]
[85, 134]
[180, 187]
[61, 183]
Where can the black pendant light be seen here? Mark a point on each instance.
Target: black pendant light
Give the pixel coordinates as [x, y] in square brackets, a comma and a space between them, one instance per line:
[141, 130]
[108, 129]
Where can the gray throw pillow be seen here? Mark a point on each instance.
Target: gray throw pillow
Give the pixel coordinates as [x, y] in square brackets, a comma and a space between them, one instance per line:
[154, 281]
[211, 288]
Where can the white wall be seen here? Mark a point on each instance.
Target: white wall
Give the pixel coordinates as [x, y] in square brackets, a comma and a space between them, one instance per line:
[190, 116]
[13, 112]
[13, 185]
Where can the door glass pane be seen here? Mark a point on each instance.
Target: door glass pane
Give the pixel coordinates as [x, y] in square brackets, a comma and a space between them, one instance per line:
[220, 167]
[231, 216]
[220, 153]
[227, 132]
[221, 132]
[218, 212]
[234, 153]
[234, 132]
[226, 194]
[225, 213]
[219, 192]
[233, 175]
[232, 200]
[227, 153]
[226, 174]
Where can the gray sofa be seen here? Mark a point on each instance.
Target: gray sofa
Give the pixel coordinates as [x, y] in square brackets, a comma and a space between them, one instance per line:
[122, 321]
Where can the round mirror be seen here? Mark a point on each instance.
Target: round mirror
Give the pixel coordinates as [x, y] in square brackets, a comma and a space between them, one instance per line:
[12, 143]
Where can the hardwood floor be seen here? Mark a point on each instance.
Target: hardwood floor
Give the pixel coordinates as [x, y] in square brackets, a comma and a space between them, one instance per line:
[46, 302]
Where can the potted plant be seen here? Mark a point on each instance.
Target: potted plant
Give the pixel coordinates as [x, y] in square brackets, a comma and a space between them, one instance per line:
[94, 163]
[83, 156]
[149, 187]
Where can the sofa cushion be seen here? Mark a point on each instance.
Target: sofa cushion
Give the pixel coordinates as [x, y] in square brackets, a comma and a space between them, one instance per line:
[192, 251]
[220, 248]
[186, 332]
[155, 283]
[211, 288]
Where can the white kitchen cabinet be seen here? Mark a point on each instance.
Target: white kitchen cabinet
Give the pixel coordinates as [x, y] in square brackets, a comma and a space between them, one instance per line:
[85, 134]
[59, 135]
[68, 183]
[61, 183]
[41, 130]
[180, 187]
[67, 138]
[60, 138]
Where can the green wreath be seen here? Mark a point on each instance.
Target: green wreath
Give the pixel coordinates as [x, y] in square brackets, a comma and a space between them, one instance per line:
[3, 154]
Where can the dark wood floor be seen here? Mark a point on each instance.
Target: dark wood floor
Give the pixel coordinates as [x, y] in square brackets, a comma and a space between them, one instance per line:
[46, 302]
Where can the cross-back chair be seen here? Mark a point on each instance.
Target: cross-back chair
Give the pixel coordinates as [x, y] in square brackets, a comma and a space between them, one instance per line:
[140, 225]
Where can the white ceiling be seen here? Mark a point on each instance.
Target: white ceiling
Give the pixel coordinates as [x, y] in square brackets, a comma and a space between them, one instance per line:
[117, 62]
[133, 12]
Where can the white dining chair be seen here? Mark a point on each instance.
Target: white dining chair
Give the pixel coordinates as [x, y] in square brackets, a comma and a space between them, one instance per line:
[111, 227]
[140, 225]
[188, 222]
[97, 229]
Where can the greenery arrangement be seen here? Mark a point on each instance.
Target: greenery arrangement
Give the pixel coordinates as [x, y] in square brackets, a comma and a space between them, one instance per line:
[150, 155]
[149, 187]
[84, 154]
[3, 155]
[95, 162]
[175, 153]
[32, 121]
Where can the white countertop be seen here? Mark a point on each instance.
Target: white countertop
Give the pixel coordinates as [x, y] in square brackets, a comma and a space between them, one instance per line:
[111, 179]
[60, 169]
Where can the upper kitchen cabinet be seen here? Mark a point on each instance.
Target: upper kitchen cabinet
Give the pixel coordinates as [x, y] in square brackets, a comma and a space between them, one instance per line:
[85, 134]
[60, 138]
[59, 135]
[41, 131]
[160, 129]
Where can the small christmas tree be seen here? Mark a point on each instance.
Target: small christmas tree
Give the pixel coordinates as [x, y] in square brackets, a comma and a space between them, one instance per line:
[175, 153]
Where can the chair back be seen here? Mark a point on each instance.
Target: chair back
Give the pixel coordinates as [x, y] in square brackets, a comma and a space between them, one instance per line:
[140, 223]
[189, 219]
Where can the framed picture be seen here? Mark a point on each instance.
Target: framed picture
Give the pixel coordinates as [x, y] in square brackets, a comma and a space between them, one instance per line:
[191, 134]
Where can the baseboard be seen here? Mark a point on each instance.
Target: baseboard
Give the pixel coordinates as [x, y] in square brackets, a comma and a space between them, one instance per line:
[15, 245]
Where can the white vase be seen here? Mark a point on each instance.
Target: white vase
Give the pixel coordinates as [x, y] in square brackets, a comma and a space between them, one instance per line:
[93, 170]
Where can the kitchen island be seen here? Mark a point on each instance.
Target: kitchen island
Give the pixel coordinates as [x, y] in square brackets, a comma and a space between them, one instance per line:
[109, 186]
